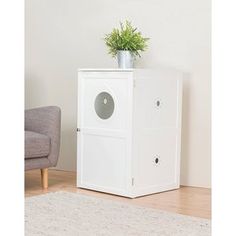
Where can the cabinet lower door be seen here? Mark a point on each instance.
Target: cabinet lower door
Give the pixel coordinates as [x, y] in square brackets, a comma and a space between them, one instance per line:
[103, 162]
[156, 162]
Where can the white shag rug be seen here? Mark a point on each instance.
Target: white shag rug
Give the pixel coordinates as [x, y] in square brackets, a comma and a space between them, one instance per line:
[73, 214]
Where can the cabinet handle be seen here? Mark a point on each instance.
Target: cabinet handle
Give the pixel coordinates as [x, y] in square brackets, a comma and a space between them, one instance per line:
[156, 160]
[78, 129]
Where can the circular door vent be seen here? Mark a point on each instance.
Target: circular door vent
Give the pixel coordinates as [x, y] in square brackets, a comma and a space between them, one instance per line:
[104, 105]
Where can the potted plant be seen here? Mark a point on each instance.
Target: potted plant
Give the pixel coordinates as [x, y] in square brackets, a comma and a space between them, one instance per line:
[126, 44]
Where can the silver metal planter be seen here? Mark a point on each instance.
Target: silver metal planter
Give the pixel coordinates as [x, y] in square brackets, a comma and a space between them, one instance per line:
[125, 59]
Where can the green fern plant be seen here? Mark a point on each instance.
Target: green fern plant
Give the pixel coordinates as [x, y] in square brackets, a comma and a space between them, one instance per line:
[126, 38]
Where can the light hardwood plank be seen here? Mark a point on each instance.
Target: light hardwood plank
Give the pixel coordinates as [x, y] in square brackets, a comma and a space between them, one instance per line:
[186, 200]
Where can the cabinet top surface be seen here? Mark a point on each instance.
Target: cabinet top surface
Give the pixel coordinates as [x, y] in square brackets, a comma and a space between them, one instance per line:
[105, 69]
[159, 69]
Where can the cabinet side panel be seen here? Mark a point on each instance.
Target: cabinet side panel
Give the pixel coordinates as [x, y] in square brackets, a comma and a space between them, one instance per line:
[79, 122]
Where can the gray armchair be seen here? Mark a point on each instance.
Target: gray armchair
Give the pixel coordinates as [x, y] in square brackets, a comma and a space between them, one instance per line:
[42, 139]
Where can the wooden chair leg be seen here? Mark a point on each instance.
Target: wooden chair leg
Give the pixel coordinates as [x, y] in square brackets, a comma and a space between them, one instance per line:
[44, 178]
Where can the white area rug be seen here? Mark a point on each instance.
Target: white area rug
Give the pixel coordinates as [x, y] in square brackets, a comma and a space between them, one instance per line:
[73, 214]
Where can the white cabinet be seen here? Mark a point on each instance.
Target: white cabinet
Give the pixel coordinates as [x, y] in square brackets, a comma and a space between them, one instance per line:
[129, 130]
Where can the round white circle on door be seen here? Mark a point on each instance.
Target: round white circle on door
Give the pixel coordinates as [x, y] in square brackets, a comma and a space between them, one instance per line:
[104, 105]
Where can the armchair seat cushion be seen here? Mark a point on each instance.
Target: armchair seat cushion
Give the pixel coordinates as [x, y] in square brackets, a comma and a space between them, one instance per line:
[36, 145]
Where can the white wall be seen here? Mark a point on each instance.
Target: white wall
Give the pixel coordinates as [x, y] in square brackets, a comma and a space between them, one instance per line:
[62, 35]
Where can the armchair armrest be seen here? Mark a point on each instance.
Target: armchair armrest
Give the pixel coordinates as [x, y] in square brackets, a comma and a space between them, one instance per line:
[47, 121]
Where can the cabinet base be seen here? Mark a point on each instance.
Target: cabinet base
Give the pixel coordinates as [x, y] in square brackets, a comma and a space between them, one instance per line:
[131, 194]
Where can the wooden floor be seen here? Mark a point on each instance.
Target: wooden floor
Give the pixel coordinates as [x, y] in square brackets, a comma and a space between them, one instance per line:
[186, 200]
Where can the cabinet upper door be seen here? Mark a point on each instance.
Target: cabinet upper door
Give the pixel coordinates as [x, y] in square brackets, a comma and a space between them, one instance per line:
[157, 102]
[105, 100]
